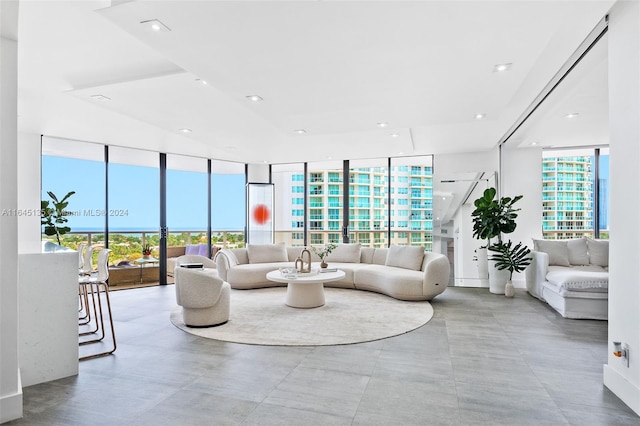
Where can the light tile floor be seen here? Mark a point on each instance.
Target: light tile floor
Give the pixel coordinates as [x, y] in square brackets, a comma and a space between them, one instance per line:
[482, 359]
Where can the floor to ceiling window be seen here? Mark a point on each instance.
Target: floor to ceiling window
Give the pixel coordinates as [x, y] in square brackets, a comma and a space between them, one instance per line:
[289, 181]
[228, 203]
[76, 166]
[134, 200]
[187, 200]
[570, 181]
[412, 201]
[325, 205]
[368, 208]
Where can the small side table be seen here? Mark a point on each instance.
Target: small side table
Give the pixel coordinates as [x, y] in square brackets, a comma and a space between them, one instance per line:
[143, 261]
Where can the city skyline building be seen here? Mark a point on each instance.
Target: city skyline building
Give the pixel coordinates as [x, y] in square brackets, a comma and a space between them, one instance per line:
[568, 188]
[399, 200]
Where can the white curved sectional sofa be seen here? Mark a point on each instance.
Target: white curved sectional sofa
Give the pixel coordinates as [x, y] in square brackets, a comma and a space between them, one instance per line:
[402, 272]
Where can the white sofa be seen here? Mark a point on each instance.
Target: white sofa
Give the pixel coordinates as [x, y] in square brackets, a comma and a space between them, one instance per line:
[402, 272]
[572, 276]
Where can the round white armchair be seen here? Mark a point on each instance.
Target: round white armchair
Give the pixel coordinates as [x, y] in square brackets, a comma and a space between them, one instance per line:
[204, 297]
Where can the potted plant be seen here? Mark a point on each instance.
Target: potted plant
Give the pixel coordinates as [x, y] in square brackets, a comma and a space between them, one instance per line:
[54, 217]
[512, 259]
[491, 218]
[323, 253]
[146, 251]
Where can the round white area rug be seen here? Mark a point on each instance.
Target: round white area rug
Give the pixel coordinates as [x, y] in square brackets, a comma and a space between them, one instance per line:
[260, 317]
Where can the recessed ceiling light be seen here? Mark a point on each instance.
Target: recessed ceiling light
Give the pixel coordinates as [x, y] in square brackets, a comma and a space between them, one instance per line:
[300, 131]
[501, 67]
[437, 218]
[254, 98]
[185, 130]
[444, 198]
[534, 143]
[264, 161]
[382, 124]
[394, 135]
[401, 153]
[572, 115]
[100, 97]
[479, 116]
[155, 25]
[201, 81]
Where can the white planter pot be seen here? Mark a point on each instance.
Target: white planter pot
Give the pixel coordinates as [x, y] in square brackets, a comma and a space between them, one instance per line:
[509, 290]
[483, 266]
[497, 279]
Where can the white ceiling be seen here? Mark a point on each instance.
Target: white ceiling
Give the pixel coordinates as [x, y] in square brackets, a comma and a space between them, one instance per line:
[333, 68]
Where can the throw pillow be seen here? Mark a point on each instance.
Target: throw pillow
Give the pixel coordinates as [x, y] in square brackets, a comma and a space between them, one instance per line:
[266, 253]
[345, 253]
[191, 249]
[203, 250]
[407, 257]
[598, 252]
[578, 254]
[558, 251]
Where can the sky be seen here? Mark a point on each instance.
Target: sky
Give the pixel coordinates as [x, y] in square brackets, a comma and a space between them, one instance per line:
[134, 199]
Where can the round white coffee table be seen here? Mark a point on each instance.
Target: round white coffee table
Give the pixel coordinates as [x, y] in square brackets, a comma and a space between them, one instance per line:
[305, 291]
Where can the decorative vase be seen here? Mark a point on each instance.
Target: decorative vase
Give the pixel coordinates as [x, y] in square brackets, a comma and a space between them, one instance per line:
[483, 266]
[497, 278]
[509, 290]
[323, 264]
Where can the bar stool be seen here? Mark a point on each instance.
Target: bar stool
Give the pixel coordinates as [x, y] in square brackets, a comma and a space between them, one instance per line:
[95, 286]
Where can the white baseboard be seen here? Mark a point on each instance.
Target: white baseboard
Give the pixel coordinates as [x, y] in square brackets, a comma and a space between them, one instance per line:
[624, 389]
[11, 405]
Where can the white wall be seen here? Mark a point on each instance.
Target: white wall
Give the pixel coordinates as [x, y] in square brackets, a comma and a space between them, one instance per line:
[624, 129]
[10, 386]
[521, 174]
[449, 165]
[29, 177]
[258, 173]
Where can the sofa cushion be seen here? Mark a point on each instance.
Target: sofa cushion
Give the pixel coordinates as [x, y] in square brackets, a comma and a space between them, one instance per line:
[345, 253]
[191, 249]
[579, 278]
[558, 251]
[266, 253]
[598, 252]
[254, 275]
[203, 250]
[406, 257]
[578, 254]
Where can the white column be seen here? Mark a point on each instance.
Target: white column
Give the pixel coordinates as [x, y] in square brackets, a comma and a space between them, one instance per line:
[10, 387]
[29, 177]
[624, 131]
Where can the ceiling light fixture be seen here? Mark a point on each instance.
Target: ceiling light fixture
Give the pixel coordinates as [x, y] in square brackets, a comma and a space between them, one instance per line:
[100, 97]
[201, 81]
[300, 131]
[479, 116]
[394, 135]
[382, 124]
[155, 25]
[534, 143]
[185, 130]
[254, 98]
[572, 115]
[501, 67]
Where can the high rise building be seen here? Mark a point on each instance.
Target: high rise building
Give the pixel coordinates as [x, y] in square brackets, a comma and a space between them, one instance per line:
[567, 197]
[401, 200]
